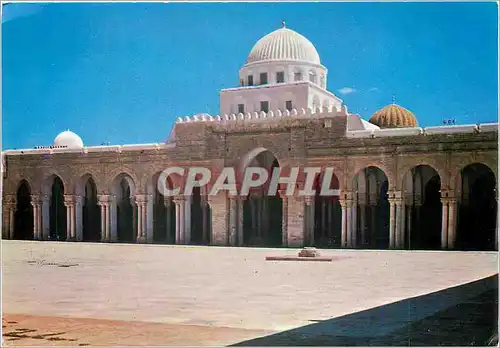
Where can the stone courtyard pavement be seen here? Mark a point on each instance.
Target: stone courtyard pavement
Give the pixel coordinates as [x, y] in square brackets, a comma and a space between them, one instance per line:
[188, 295]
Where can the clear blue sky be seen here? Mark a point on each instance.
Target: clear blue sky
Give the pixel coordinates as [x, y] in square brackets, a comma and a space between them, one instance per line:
[123, 73]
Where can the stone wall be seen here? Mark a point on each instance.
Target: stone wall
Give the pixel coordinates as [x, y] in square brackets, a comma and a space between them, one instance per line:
[294, 141]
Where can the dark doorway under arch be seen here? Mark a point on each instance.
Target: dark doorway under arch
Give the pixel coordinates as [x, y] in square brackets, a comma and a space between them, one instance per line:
[57, 211]
[23, 219]
[477, 216]
[424, 210]
[91, 213]
[327, 227]
[372, 208]
[263, 213]
[125, 214]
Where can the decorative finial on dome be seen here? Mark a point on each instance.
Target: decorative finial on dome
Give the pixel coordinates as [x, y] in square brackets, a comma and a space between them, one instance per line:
[393, 99]
[283, 23]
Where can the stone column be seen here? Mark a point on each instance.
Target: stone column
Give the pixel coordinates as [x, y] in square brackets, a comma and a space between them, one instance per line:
[330, 220]
[112, 218]
[233, 220]
[392, 223]
[239, 220]
[141, 201]
[69, 202]
[409, 216]
[46, 217]
[346, 204]
[179, 219]
[309, 237]
[402, 229]
[9, 204]
[452, 219]
[150, 206]
[219, 206]
[362, 222]
[12, 210]
[284, 220]
[296, 228]
[265, 216]
[204, 219]
[354, 224]
[36, 202]
[496, 226]
[167, 202]
[444, 223]
[79, 218]
[399, 223]
[187, 220]
[323, 219]
[104, 204]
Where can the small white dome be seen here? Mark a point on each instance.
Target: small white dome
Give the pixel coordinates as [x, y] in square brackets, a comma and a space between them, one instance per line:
[284, 44]
[68, 139]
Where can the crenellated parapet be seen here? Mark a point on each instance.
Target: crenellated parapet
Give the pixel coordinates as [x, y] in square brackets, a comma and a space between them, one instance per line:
[262, 116]
[427, 131]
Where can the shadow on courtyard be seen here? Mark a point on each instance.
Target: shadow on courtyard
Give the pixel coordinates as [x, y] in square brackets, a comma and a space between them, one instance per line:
[465, 315]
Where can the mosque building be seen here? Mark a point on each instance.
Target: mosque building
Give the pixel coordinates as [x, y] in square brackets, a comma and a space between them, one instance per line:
[400, 186]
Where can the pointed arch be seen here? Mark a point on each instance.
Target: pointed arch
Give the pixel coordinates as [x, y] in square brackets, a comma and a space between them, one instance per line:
[371, 208]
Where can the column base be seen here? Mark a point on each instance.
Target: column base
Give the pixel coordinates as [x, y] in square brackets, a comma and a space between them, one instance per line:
[141, 240]
[71, 239]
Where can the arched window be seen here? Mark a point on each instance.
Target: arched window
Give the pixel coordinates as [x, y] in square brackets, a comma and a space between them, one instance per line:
[297, 76]
[312, 77]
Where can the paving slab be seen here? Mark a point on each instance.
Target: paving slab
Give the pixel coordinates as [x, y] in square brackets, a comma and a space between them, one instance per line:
[221, 286]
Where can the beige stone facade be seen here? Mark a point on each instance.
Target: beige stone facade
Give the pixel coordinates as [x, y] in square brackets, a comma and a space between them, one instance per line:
[403, 188]
[293, 142]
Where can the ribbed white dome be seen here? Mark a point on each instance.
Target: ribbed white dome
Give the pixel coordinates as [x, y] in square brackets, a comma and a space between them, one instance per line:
[68, 139]
[284, 44]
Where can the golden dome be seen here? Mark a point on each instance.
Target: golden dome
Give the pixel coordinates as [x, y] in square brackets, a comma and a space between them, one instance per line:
[394, 116]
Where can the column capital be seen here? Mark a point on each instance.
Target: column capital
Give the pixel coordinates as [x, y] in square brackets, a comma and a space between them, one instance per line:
[167, 200]
[178, 199]
[395, 200]
[346, 195]
[346, 203]
[361, 199]
[141, 199]
[308, 199]
[9, 199]
[447, 193]
[282, 194]
[103, 200]
[69, 200]
[237, 197]
[79, 199]
[394, 194]
[36, 200]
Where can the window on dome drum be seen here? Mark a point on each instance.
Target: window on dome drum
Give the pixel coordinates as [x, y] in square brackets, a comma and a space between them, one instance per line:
[280, 77]
[288, 105]
[241, 108]
[263, 78]
[322, 81]
[312, 77]
[264, 106]
[250, 80]
[242, 82]
[297, 76]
